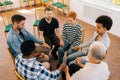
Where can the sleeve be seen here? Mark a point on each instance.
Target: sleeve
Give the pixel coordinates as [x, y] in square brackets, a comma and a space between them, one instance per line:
[49, 75]
[79, 36]
[56, 23]
[41, 24]
[87, 44]
[64, 36]
[14, 47]
[33, 38]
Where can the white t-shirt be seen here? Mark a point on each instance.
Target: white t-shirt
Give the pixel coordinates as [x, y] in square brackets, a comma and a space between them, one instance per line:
[92, 72]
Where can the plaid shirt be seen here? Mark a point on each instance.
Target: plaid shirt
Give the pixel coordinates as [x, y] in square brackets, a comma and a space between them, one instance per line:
[31, 69]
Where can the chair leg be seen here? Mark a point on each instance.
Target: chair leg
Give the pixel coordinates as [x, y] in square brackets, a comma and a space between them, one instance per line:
[34, 30]
[62, 12]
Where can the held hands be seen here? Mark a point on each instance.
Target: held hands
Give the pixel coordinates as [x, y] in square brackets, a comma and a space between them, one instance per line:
[40, 55]
[78, 60]
[62, 66]
[45, 45]
[75, 47]
[61, 43]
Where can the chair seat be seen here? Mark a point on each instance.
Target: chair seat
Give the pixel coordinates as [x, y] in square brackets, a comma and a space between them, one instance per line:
[61, 6]
[8, 27]
[1, 4]
[8, 2]
[36, 23]
[46, 0]
[25, 0]
[56, 3]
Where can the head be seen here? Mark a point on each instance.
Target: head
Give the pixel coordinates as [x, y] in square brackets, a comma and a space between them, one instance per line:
[97, 51]
[48, 13]
[103, 23]
[28, 48]
[71, 17]
[18, 21]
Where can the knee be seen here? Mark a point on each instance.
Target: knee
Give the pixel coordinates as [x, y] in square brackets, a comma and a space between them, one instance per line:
[60, 49]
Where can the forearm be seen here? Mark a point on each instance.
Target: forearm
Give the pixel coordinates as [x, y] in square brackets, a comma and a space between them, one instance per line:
[67, 75]
[41, 36]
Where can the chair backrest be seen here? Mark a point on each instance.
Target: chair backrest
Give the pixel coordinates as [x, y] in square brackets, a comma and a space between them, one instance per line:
[106, 55]
[39, 13]
[18, 75]
[83, 34]
[11, 55]
[7, 17]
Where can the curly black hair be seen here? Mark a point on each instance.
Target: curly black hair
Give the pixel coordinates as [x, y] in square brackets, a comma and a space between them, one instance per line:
[106, 21]
[27, 47]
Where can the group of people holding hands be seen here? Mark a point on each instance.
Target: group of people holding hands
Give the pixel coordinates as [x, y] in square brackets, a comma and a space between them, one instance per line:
[32, 61]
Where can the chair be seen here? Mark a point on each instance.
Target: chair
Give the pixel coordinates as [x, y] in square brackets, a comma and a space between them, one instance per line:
[106, 55]
[18, 75]
[28, 2]
[1, 5]
[8, 2]
[7, 21]
[62, 4]
[47, 2]
[11, 55]
[38, 15]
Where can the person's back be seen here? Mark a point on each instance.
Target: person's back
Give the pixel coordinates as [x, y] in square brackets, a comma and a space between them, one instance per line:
[29, 68]
[92, 72]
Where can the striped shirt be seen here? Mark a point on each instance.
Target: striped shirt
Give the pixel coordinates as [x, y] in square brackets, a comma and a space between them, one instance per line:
[72, 34]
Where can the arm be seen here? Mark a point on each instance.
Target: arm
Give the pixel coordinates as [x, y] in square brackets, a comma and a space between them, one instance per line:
[59, 36]
[41, 35]
[67, 73]
[51, 75]
[78, 62]
[87, 44]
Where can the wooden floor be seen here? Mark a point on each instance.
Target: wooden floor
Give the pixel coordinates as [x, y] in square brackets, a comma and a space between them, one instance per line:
[7, 66]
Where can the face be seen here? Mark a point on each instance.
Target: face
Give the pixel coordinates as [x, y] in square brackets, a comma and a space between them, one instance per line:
[100, 29]
[71, 21]
[48, 15]
[20, 25]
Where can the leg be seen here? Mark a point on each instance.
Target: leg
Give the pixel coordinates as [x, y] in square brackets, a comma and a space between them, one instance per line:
[40, 49]
[61, 51]
[74, 56]
[55, 42]
[43, 59]
[70, 51]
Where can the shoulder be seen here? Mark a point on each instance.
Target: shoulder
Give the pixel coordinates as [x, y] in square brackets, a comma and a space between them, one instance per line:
[12, 35]
[78, 25]
[55, 19]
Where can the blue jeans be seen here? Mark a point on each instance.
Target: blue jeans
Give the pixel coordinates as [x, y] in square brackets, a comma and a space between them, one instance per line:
[67, 47]
[73, 56]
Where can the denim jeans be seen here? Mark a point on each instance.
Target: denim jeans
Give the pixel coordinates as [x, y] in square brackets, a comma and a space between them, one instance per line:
[67, 47]
[73, 56]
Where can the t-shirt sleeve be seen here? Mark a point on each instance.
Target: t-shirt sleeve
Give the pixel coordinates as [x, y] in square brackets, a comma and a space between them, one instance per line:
[40, 26]
[56, 23]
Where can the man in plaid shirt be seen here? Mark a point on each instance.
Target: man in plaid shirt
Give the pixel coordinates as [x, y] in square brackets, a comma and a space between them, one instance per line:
[29, 68]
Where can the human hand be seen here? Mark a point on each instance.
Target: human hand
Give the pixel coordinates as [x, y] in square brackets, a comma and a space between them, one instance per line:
[75, 47]
[45, 45]
[66, 69]
[40, 54]
[61, 43]
[62, 66]
[78, 60]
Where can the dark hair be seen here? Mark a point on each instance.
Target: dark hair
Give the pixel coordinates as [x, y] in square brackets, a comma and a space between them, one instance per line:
[106, 21]
[48, 8]
[27, 47]
[17, 18]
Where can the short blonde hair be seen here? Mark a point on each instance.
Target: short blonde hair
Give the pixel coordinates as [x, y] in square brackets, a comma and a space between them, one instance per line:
[72, 14]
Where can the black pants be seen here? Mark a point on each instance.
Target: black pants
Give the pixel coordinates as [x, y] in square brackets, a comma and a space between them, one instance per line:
[52, 40]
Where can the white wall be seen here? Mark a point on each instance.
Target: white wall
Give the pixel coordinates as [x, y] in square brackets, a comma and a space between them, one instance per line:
[89, 10]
